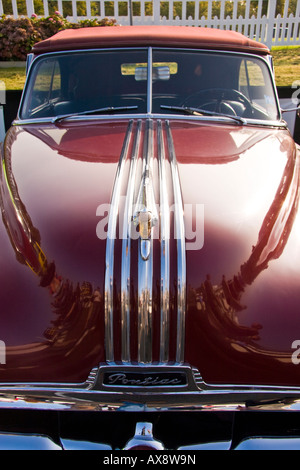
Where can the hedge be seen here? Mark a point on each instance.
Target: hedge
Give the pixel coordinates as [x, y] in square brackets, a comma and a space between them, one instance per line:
[17, 36]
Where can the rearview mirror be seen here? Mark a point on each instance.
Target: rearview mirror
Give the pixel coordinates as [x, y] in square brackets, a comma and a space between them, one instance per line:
[161, 72]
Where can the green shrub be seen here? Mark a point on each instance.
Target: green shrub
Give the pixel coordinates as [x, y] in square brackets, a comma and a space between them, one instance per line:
[17, 36]
[49, 26]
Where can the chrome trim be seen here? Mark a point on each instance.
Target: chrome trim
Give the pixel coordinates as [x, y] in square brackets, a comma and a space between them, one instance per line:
[145, 214]
[29, 61]
[269, 443]
[146, 206]
[126, 247]
[110, 243]
[149, 81]
[213, 445]
[145, 268]
[157, 378]
[209, 398]
[91, 378]
[179, 234]
[79, 444]
[143, 437]
[26, 441]
[164, 250]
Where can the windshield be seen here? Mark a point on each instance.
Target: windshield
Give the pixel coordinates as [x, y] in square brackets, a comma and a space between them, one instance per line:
[181, 80]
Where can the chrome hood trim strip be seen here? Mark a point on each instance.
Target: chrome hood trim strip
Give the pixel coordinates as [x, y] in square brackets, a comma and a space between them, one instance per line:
[145, 266]
[110, 243]
[151, 169]
[165, 250]
[126, 249]
[181, 255]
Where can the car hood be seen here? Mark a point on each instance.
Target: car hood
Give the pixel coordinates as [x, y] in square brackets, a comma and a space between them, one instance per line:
[209, 280]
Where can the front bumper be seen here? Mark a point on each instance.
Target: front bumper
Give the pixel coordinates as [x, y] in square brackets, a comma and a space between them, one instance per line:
[176, 431]
[99, 415]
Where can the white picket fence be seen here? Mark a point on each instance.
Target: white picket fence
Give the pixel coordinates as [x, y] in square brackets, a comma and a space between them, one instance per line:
[269, 28]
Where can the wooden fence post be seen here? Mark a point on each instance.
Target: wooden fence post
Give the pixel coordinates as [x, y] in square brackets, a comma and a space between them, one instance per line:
[30, 8]
[156, 12]
[271, 21]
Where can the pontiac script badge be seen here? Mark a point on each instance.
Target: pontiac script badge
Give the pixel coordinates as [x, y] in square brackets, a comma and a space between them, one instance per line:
[144, 379]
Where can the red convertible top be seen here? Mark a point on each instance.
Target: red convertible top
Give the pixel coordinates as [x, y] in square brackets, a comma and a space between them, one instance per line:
[120, 36]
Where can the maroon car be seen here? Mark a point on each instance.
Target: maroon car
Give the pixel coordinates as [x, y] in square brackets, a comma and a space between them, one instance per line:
[150, 246]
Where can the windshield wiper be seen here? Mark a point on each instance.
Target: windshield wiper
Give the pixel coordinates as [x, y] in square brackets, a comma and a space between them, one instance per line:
[108, 109]
[201, 112]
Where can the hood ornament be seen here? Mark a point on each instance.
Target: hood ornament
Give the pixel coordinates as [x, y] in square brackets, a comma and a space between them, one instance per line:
[145, 214]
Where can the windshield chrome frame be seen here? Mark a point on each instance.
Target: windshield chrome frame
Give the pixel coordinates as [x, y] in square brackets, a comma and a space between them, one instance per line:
[149, 81]
[266, 123]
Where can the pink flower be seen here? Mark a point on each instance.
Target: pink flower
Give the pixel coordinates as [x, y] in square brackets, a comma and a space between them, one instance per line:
[34, 15]
[57, 13]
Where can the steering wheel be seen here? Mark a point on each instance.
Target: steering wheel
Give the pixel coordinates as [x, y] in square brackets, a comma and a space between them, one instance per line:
[218, 100]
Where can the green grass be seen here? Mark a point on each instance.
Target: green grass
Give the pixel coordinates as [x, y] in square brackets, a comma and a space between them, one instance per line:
[286, 63]
[14, 78]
